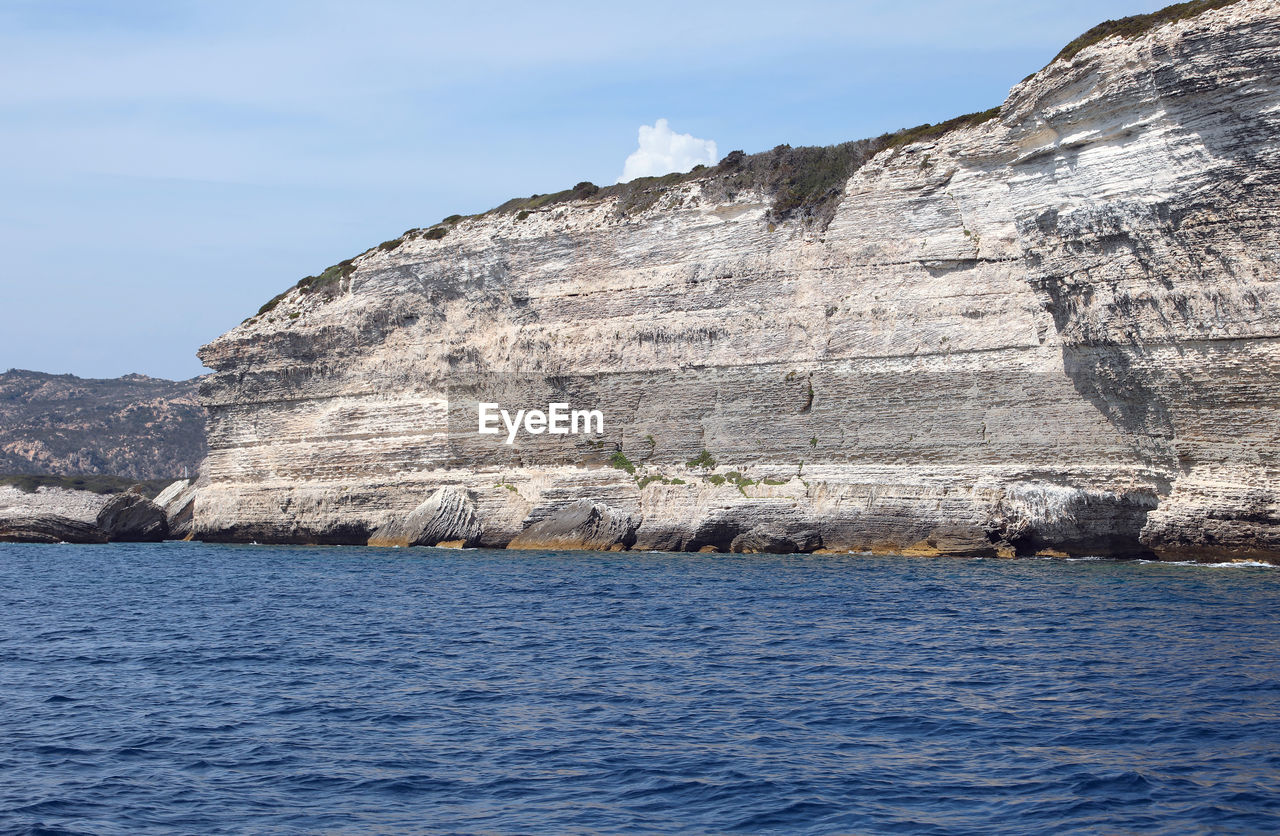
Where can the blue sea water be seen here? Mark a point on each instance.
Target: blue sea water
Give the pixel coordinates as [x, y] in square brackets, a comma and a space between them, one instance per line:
[193, 688]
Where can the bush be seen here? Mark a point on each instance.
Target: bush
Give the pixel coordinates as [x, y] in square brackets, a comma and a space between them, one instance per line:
[733, 159]
[270, 304]
[644, 481]
[1136, 25]
[331, 276]
[926, 132]
[435, 233]
[703, 459]
[620, 461]
[93, 482]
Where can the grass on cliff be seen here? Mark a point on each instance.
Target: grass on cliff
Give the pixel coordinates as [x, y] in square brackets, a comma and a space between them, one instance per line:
[802, 183]
[1137, 25]
[94, 483]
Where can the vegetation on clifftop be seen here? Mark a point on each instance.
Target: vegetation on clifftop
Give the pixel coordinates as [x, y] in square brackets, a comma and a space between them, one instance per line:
[803, 183]
[1137, 25]
[95, 483]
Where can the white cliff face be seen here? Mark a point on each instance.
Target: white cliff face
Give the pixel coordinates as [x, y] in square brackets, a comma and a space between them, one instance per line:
[1053, 332]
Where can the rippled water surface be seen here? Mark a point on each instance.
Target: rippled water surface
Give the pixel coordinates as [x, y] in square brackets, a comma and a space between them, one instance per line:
[207, 689]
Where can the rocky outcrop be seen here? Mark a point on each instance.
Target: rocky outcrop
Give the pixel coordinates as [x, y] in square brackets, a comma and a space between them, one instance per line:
[50, 515]
[447, 518]
[132, 518]
[47, 528]
[1055, 331]
[53, 515]
[580, 525]
[178, 501]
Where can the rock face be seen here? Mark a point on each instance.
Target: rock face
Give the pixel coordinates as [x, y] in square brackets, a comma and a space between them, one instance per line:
[47, 528]
[581, 525]
[178, 501]
[447, 517]
[55, 515]
[1057, 331]
[50, 515]
[132, 518]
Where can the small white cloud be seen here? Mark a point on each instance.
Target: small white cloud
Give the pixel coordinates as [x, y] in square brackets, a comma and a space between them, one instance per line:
[663, 151]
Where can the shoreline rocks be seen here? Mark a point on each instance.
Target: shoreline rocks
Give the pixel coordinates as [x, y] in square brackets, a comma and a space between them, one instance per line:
[58, 515]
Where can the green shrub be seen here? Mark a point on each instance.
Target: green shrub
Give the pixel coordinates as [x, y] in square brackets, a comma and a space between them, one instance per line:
[330, 277]
[927, 132]
[270, 304]
[620, 461]
[435, 233]
[388, 246]
[452, 219]
[650, 478]
[93, 482]
[703, 459]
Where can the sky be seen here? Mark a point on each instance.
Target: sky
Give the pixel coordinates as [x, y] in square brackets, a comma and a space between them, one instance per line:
[167, 166]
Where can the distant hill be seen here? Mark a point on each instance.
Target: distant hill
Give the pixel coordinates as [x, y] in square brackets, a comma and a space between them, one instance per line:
[135, 426]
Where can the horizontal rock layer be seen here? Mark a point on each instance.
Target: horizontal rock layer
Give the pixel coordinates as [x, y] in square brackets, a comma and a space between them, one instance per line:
[1055, 332]
[56, 515]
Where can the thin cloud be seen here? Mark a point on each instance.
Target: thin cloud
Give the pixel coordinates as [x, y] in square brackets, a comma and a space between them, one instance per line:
[663, 151]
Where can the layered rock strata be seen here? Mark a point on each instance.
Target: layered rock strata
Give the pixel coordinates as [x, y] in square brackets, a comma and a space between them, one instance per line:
[56, 515]
[1053, 332]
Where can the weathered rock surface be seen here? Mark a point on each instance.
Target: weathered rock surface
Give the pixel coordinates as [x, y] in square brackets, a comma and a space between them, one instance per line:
[581, 525]
[132, 518]
[50, 515]
[178, 501]
[47, 528]
[1057, 331]
[447, 518]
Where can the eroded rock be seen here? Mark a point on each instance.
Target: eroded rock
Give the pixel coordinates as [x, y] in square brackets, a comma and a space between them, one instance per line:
[583, 525]
[447, 518]
[178, 501]
[48, 528]
[132, 518]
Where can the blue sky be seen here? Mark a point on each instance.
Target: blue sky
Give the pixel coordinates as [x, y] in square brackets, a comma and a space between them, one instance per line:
[166, 167]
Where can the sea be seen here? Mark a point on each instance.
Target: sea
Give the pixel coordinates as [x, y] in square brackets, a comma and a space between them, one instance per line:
[207, 689]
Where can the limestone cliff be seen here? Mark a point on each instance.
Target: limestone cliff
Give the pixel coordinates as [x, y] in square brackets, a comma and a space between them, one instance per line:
[1053, 331]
